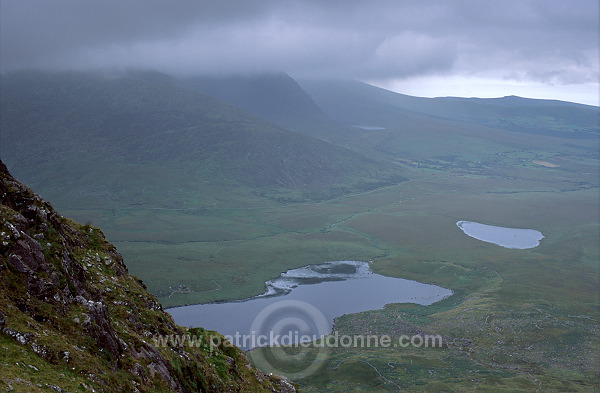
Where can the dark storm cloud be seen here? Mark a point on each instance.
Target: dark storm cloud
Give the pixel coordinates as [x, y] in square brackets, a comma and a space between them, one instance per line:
[552, 41]
[38, 32]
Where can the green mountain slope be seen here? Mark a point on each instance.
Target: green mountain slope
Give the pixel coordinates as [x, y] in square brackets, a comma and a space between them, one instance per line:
[277, 98]
[354, 102]
[138, 139]
[274, 97]
[73, 319]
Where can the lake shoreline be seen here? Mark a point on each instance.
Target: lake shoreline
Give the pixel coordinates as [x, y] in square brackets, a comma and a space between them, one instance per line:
[308, 300]
[513, 238]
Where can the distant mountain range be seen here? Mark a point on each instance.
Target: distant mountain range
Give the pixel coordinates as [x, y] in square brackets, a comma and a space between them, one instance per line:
[143, 138]
[359, 103]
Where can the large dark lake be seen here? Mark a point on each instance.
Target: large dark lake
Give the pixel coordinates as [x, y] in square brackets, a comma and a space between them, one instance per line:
[306, 301]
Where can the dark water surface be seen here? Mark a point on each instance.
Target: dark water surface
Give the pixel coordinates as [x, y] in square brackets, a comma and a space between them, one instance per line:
[306, 301]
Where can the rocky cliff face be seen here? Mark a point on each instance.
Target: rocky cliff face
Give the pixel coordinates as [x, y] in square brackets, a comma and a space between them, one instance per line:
[73, 319]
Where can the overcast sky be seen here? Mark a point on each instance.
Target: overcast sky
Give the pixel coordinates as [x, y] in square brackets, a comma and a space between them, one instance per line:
[485, 48]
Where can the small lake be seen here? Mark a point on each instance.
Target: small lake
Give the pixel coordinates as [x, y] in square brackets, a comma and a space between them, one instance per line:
[501, 236]
[306, 301]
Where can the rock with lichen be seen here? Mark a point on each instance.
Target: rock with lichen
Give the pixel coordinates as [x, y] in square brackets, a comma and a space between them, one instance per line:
[73, 319]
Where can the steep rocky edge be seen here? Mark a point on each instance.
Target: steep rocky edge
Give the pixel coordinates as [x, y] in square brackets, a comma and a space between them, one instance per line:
[73, 319]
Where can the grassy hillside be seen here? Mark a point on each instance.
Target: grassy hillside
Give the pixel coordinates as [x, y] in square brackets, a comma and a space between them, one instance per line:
[354, 102]
[73, 319]
[277, 98]
[274, 97]
[93, 140]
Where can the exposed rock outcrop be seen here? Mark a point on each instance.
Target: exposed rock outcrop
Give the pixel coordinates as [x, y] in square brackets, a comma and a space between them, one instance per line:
[72, 317]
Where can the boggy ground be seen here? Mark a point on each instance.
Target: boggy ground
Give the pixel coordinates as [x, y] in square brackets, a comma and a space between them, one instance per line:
[519, 320]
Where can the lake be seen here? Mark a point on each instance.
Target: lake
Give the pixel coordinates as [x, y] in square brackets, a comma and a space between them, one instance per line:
[306, 301]
[506, 237]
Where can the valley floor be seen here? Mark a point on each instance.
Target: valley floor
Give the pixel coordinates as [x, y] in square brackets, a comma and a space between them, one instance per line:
[519, 320]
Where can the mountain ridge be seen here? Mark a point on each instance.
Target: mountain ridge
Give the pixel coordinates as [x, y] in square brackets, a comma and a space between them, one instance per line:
[276, 97]
[118, 135]
[72, 317]
[355, 101]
